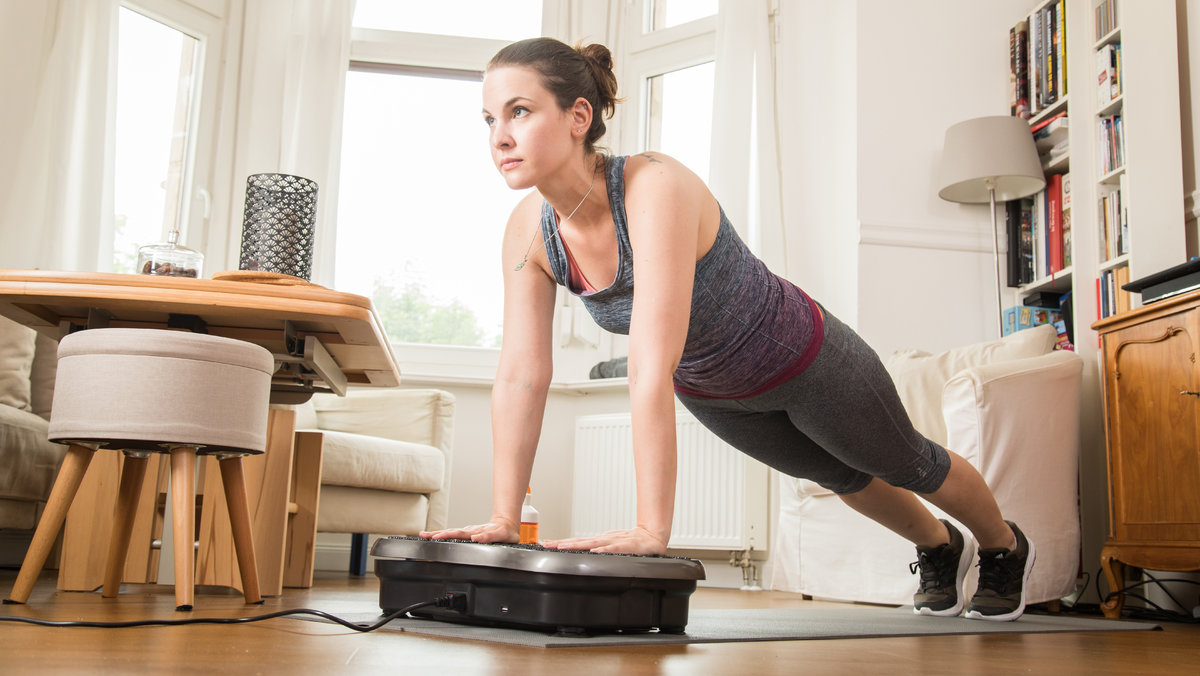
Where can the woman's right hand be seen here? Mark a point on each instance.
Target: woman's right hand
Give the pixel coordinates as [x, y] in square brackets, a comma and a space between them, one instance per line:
[499, 529]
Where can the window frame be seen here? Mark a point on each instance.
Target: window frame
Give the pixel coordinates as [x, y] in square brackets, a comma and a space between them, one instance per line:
[199, 19]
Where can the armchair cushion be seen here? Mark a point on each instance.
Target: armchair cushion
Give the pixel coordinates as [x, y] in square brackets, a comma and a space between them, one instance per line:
[16, 363]
[920, 377]
[362, 461]
[386, 459]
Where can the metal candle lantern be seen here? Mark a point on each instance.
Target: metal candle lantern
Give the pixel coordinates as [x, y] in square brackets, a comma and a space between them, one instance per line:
[279, 225]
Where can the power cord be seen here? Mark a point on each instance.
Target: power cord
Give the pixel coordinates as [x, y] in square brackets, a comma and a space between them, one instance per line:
[456, 600]
[1157, 613]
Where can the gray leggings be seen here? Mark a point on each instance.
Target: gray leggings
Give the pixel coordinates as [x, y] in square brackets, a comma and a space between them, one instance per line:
[838, 423]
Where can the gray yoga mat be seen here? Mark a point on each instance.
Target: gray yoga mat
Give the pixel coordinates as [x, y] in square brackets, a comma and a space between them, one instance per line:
[775, 624]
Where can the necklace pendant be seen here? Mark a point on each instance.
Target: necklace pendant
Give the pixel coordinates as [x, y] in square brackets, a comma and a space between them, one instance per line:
[519, 266]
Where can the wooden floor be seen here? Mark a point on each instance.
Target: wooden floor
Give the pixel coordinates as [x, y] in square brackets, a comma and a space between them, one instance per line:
[293, 647]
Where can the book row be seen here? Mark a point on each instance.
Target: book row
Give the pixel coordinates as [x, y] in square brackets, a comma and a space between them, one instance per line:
[1037, 60]
[1110, 297]
[1039, 232]
[1114, 222]
[1108, 74]
[1105, 16]
[1111, 142]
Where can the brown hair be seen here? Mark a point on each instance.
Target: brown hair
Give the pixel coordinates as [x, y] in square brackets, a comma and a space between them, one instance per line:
[569, 73]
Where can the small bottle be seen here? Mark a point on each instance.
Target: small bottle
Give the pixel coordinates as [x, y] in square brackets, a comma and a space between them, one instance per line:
[529, 520]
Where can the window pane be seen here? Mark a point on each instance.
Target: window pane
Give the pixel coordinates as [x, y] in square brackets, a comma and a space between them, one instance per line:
[421, 209]
[667, 13]
[155, 67]
[513, 20]
[680, 115]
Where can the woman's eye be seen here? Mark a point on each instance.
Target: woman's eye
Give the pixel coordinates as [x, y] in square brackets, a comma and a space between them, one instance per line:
[489, 120]
[520, 111]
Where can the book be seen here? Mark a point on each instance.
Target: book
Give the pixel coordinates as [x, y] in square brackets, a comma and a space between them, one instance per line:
[1054, 251]
[1042, 299]
[1027, 317]
[1068, 258]
[1019, 69]
[1012, 220]
[1027, 240]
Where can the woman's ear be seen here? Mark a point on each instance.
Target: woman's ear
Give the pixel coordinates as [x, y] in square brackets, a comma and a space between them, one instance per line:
[581, 117]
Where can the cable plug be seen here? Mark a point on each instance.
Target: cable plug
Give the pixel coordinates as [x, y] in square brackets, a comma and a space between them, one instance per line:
[453, 600]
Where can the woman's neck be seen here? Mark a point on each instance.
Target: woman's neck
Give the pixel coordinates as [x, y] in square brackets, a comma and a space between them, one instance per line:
[573, 193]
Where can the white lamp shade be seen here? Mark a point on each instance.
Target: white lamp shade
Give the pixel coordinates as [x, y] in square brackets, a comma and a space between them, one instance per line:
[990, 151]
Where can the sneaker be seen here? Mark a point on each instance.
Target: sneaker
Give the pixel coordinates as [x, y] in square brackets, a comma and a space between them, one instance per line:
[1002, 577]
[942, 571]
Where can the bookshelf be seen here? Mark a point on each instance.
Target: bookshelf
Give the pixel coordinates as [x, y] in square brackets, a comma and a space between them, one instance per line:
[1149, 176]
[1120, 151]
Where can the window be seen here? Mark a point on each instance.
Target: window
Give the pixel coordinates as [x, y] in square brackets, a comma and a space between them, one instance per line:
[679, 115]
[156, 73]
[421, 209]
[668, 77]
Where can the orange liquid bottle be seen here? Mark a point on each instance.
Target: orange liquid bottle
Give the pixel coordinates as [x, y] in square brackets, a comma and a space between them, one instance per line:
[529, 520]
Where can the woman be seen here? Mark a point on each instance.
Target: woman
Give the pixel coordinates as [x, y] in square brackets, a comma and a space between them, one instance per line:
[749, 354]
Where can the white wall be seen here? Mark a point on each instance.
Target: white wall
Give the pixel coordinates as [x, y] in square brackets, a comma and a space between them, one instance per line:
[925, 265]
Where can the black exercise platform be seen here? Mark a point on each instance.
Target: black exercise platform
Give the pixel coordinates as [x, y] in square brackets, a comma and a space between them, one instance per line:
[531, 587]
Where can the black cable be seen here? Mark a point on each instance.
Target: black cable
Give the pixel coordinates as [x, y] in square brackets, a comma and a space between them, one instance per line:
[446, 601]
[1158, 613]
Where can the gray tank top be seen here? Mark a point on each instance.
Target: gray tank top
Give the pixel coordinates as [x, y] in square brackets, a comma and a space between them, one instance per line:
[750, 330]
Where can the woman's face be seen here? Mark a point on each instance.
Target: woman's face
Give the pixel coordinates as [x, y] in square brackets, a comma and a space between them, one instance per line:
[530, 136]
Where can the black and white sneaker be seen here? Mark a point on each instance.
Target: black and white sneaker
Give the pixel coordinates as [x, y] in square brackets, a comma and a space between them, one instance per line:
[1002, 578]
[942, 571]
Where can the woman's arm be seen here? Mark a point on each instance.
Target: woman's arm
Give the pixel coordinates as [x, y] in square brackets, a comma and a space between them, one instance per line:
[522, 379]
[672, 221]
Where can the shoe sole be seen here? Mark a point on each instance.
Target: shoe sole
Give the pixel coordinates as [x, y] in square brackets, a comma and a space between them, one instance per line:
[964, 564]
[1020, 610]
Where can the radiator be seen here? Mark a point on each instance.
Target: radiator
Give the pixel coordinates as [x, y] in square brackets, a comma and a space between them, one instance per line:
[721, 495]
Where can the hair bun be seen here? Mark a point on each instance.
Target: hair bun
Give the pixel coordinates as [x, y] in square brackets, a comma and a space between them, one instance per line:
[597, 53]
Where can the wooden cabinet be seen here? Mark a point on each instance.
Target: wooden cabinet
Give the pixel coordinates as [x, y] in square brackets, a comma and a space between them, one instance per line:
[1152, 411]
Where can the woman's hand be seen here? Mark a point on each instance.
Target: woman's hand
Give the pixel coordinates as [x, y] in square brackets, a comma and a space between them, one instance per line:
[633, 541]
[499, 529]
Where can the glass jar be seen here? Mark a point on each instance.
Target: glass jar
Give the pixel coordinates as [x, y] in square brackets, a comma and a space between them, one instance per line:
[170, 259]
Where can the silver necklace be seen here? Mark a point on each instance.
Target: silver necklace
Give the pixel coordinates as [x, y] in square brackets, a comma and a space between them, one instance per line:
[535, 232]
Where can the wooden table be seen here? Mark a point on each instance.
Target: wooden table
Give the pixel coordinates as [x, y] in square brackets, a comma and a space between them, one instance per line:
[323, 341]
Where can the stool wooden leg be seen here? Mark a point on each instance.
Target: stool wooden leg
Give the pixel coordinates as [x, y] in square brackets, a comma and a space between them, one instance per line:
[234, 482]
[132, 476]
[183, 510]
[74, 466]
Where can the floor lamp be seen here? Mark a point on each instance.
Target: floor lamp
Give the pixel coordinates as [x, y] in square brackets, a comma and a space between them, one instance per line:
[989, 160]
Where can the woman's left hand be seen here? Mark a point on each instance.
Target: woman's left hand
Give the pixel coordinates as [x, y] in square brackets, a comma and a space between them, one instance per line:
[633, 541]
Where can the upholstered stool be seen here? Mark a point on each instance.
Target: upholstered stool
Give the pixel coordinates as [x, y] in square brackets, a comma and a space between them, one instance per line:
[151, 391]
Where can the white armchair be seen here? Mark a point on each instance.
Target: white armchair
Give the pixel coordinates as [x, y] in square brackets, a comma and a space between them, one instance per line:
[1011, 408]
[386, 461]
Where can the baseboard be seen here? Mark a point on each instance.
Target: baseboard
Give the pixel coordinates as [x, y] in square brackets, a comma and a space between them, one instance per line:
[333, 555]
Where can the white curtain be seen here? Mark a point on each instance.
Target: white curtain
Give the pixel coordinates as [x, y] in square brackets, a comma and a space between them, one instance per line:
[745, 158]
[56, 129]
[293, 79]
